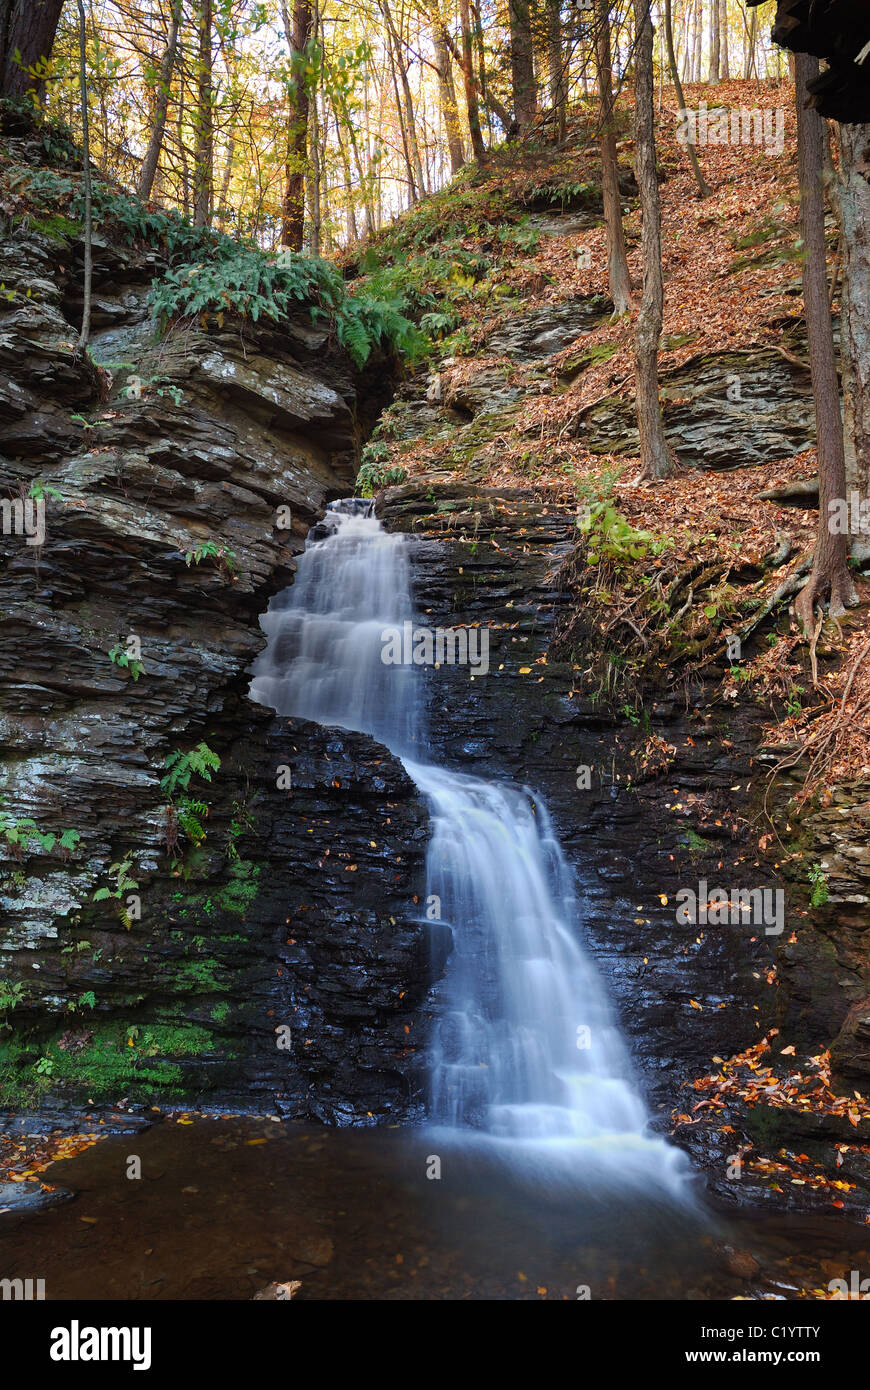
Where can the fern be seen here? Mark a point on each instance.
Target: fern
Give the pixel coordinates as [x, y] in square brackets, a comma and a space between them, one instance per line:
[180, 767]
[20, 833]
[191, 814]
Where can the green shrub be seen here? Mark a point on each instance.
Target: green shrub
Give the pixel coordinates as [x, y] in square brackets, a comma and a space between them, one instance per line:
[819, 892]
[610, 536]
[375, 471]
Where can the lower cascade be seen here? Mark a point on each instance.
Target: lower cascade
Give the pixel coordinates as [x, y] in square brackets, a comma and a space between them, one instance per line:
[526, 1059]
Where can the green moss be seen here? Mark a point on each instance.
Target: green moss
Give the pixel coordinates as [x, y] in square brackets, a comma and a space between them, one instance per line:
[695, 843]
[198, 977]
[56, 228]
[671, 341]
[163, 1040]
[119, 1059]
[235, 896]
[587, 357]
[238, 895]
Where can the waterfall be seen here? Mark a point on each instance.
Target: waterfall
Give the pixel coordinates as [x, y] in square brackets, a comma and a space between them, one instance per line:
[526, 1061]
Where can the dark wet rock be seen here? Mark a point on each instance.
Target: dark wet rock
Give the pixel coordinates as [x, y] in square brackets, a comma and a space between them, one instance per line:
[850, 1052]
[29, 1196]
[233, 443]
[488, 389]
[740, 1262]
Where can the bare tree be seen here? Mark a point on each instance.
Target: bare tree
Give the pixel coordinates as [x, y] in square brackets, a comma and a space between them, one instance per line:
[654, 453]
[724, 61]
[467, 64]
[715, 44]
[85, 332]
[703, 186]
[203, 153]
[161, 107]
[556, 66]
[297, 32]
[617, 260]
[447, 91]
[830, 573]
[750, 42]
[854, 201]
[525, 92]
[409, 123]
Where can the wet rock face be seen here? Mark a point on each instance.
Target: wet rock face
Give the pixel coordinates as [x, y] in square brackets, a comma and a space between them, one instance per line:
[825, 970]
[332, 963]
[488, 557]
[178, 485]
[728, 410]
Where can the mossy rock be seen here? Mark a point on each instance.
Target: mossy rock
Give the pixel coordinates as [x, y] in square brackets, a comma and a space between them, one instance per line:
[587, 357]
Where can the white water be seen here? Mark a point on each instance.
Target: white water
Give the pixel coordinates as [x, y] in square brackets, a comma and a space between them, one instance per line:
[519, 993]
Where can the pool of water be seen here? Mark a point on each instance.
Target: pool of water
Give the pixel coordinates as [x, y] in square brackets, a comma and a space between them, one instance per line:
[224, 1207]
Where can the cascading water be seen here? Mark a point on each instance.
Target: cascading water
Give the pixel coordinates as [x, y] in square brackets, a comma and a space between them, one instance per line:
[526, 1059]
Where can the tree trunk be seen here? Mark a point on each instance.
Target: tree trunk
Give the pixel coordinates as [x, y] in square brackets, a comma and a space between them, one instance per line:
[617, 261]
[224, 190]
[406, 148]
[687, 42]
[85, 333]
[556, 67]
[697, 38]
[203, 154]
[522, 64]
[28, 27]
[715, 46]
[447, 95]
[297, 33]
[478, 148]
[703, 187]
[751, 40]
[410, 121]
[854, 198]
[161, 106]
[654, 455]
[724, 69]
[830, 574]
[352, 229]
